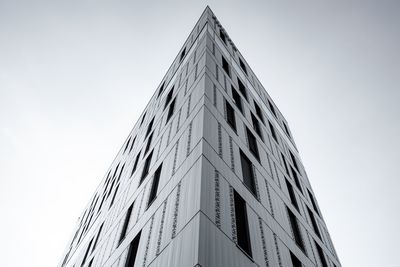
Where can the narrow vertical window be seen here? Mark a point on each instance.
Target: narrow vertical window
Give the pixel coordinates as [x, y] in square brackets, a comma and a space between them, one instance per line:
[286, 128]
[126, 224]
[295, 261]
[169, 97]
[296, 179]
[171, 110]
[243, 66]
[248, 174]
[271, 107]
[226, 67]
[127, 144]
[133, 142]
[183, 53]
[242, 88]
[292, 195]
[154, 186]
[161, 89]
[86, 253]
[273, 133]
[294, 161]
[259, 112]
[133, 248]
[313, 202]
[150, 127]
[242, 227]
[230, 116]
[295, 229]
[314, 223]
[146, 167]
[236, 99]
[285, 164]
[222, 35]
[115, 194]
[144, 116]
[252, 144]
[135, 164]
[148, 143]
[97, 237]
[256, 126]
[321, 255]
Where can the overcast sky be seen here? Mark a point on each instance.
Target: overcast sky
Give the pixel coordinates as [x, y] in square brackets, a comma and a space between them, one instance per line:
[75, 76]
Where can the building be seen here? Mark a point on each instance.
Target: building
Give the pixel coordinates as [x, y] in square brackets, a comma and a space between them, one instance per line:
[209, 176]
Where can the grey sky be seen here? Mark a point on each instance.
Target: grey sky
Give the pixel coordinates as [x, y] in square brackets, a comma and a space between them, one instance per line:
[75, 75]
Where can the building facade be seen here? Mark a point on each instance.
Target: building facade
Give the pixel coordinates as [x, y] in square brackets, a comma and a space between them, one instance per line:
[209, 176]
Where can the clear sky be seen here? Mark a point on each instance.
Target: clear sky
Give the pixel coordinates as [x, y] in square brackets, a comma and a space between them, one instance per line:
[75, 76]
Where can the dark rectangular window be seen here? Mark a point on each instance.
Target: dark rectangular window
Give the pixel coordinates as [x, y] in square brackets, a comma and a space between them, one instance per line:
[273, 133]
[286, 128]
[248, 174]
[148, 143]
[183, 53]
[292, 195]
[146, 167]
[97, 237]
[169, 97]
[150, 127]
[242, 227]
[294, 161]
[271, 107]
[242, 88]
[154, 186]
[285, 164]
[314, 222]
[171, 110]
[295, 261]
[126, 224]
[127, 144]
[295, 229]
[237, 99]
[161, 89]
[230, 115]
[256, 125]
[321, 255]
[222, 35]
[86, 253]
[252, 144]
[133, 142]
[296, 179]
[115, 194]
[133, 248]
[259, 112]
[226, 67]
[243, 66]
[135, 164]
[313, 202]
[144, 116]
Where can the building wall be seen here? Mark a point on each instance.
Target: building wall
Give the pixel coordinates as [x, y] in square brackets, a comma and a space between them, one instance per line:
[192, 220]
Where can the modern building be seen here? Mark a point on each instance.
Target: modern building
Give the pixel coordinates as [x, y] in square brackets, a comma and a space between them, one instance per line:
[209, 176]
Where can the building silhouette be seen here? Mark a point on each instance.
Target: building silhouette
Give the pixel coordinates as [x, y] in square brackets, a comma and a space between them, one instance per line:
[209, 176]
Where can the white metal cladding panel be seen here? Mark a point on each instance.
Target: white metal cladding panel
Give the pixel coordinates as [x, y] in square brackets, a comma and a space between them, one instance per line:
[152, 240]
[183, 249]
[262, 188]
[280, 212]
[216, 249]
[189, 199]
[210, 129]
[197, 129]
[255, 237]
